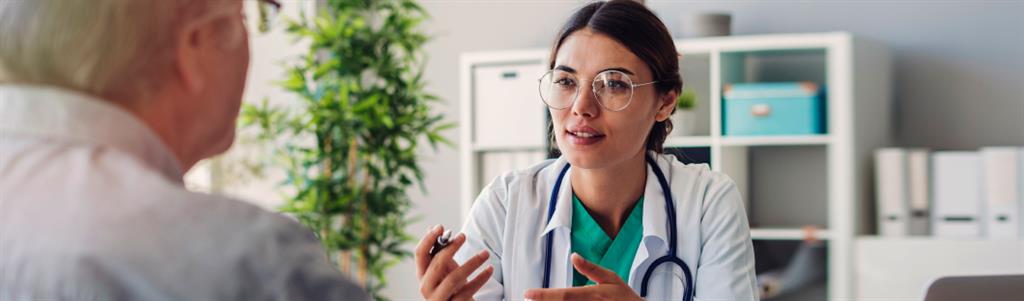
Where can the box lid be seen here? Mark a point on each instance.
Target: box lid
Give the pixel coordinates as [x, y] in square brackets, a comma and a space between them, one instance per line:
[770, 90]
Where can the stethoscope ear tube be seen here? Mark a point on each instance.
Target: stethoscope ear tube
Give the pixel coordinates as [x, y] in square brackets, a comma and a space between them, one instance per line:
[549, 237]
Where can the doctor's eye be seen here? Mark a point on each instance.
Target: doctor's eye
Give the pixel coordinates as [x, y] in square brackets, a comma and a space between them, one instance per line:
[617, 85]
[565, 83]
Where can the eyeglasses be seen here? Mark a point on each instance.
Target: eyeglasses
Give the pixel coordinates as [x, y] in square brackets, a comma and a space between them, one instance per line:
[613, 89]
[268, 15]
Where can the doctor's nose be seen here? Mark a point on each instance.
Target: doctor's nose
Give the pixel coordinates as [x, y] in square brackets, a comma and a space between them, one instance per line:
[586, 104]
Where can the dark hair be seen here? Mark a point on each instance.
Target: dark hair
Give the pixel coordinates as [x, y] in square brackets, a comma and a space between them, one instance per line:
[633, 25]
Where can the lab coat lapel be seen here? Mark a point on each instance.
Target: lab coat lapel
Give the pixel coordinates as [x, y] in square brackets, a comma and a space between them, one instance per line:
[560, 226]
[655, 223]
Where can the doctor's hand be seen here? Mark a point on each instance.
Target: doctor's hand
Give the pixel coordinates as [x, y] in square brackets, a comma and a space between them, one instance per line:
[441, 278]
[609, 286]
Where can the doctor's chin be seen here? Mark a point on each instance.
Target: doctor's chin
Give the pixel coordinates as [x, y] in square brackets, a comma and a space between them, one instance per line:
[511, 150]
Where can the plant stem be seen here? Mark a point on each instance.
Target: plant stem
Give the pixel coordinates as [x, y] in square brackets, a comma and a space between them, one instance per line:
[346, 261]
[364, 249]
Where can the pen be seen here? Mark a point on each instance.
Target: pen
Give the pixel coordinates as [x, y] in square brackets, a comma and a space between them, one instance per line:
[442, 241]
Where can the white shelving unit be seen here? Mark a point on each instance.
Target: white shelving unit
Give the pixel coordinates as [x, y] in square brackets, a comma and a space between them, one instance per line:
[788, 181]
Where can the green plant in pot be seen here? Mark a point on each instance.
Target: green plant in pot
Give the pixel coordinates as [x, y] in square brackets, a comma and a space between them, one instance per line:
[684, 120]
[349, 146]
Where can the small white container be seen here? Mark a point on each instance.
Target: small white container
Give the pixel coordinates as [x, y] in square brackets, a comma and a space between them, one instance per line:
[706, 25]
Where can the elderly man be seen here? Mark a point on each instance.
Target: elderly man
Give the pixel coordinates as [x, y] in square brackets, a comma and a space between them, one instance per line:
[104, 104]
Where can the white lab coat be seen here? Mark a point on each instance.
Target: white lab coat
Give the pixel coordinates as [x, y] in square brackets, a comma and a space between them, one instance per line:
[509, 220]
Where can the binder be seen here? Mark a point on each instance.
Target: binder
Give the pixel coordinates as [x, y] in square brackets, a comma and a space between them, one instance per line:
[919, 188]
[1001, 179]
[892, 195]
[956, 187]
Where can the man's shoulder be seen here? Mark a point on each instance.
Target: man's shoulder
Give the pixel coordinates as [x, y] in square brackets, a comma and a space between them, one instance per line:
[105, 214]
[225, 219]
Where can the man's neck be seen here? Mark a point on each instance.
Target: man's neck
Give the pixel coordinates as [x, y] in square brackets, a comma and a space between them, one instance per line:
[158, 116]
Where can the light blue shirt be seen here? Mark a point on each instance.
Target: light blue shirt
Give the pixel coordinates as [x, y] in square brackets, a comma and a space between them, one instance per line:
[92, 207]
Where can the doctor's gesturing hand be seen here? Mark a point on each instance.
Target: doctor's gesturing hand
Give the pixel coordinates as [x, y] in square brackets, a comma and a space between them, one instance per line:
[441, 278]
[609, 286]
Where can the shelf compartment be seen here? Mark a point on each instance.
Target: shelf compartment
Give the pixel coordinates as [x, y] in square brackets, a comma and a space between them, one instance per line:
[790, 65]
[695, 69]
[786, 186]
[774, 66]
[800, 269]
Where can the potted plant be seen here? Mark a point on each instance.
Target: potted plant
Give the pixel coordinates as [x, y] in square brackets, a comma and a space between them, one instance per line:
[349, 147]
[684, 120]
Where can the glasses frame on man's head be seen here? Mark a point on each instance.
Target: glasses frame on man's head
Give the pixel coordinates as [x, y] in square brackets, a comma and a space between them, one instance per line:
[593, 88]
[277, 5]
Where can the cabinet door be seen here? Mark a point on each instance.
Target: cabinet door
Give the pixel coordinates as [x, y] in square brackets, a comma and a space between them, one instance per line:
[508, 112]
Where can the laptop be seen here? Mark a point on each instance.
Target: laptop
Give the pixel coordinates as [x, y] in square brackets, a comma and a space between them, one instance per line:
[957, 288]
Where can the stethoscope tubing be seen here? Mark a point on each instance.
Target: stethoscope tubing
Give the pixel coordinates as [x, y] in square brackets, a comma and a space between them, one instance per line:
[672, 256]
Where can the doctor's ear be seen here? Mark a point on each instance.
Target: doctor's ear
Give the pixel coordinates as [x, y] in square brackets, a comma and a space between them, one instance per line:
[666, 103]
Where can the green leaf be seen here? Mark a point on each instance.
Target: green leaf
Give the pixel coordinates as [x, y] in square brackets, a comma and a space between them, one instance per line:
[359, 84]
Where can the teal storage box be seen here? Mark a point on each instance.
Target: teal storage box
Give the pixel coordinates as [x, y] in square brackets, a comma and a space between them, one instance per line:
[761, 109]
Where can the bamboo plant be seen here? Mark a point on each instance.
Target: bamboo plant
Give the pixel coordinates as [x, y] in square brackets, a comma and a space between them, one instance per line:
[349, 147]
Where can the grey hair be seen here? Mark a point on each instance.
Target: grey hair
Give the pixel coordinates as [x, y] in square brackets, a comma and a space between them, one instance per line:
[111, 48]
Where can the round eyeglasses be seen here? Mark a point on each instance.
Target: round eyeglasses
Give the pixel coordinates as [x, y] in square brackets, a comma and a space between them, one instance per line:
[613, 89]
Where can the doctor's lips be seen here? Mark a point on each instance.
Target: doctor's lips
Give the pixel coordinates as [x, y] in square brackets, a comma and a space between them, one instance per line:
[584, 135]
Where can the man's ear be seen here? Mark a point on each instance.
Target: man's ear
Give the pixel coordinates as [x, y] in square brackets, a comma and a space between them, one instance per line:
[188, 57]
[666, 103]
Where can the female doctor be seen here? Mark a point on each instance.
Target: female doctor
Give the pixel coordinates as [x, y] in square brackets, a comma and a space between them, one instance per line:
[613, 218]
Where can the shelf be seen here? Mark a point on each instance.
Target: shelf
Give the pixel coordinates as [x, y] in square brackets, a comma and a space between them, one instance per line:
[688, 141]
[776, 140]
[785, 234]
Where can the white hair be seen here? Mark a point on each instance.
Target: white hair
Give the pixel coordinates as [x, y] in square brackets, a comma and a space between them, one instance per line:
[112, 48]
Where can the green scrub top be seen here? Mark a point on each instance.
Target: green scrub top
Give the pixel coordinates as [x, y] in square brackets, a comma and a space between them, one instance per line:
[613, 253]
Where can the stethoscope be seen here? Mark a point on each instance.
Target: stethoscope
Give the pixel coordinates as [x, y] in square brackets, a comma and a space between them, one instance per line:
[671, 257]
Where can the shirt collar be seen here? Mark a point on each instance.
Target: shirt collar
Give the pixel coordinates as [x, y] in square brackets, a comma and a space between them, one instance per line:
[67, 115]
